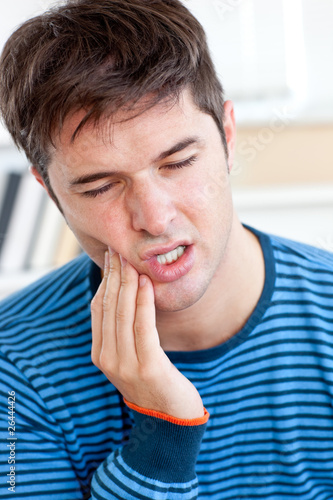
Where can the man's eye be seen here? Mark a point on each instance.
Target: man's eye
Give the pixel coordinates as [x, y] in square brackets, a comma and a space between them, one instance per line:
[96, 192]
[172, 166]
[181, 164]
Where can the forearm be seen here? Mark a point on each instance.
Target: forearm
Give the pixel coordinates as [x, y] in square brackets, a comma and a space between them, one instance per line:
[158, 461]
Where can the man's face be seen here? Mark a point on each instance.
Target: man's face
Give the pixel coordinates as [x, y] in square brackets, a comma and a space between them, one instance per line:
[147, 186]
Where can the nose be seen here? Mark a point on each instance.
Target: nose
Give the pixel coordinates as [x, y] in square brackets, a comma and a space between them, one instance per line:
[151, 208]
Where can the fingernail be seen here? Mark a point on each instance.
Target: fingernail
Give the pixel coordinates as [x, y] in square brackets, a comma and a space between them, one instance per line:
[123, 261]
[106, 263]
[142, 280]
[111, 252]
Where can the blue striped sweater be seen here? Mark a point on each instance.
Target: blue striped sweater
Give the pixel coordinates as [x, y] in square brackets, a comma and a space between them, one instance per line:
[268, 391]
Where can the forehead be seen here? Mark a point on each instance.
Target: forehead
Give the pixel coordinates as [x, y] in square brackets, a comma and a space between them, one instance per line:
[109, 130]
[128, 145]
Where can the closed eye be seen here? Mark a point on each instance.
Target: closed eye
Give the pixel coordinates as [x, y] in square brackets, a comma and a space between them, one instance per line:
[96, 192]
[171, 166]
[181, 164]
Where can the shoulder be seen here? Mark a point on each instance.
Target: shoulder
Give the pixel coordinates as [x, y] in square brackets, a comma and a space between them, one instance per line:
[47, 296]
[302, 272]
[296, 254]
[296, 267]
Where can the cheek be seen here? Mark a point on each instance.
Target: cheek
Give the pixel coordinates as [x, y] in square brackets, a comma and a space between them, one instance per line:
[107, 224]
[217, 185]
[207, 193]
[88, 214]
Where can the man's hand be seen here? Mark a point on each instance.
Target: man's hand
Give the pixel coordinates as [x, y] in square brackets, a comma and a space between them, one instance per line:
[126, 345]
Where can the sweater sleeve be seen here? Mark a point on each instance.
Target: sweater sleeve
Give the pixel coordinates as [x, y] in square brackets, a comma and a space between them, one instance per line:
[34, 460]
[38, 459]
[158, 462]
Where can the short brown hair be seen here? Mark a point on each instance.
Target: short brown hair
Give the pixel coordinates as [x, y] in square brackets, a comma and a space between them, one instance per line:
[101, 56]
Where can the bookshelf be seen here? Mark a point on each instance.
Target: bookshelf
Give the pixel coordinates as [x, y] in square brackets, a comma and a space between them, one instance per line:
[34, 237]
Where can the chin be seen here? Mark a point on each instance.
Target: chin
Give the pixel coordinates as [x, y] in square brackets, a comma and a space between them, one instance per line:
[177, 298]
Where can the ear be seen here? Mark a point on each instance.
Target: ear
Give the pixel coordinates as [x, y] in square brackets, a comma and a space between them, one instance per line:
[48, 189]
[41, 181]
[37, 176]
[230, 131]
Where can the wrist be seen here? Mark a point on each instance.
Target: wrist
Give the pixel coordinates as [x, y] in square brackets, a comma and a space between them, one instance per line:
[170, 418]
[162, 448]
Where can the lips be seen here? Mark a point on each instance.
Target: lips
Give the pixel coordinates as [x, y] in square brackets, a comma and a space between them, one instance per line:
[158, 250]
[170, 272]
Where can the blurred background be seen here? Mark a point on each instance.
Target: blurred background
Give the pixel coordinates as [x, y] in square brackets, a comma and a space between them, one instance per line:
[274, 61]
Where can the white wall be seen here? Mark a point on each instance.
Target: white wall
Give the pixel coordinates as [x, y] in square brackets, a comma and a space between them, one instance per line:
[12, 14]
[271, 53]
[266, 51]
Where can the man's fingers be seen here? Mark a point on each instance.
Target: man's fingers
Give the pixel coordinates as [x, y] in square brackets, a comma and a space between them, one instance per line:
[110, 299]
[125, 313]
[97, 314]
[123, 319]
[146, 336]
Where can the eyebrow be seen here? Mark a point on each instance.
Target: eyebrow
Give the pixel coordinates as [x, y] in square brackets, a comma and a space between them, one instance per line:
[178, 147]
[183, 144]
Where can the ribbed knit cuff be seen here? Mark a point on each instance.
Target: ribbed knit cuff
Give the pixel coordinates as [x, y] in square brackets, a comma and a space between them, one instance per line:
[163, 450]
[170, 418]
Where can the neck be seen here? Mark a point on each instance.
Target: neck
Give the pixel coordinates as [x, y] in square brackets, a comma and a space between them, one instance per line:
[226, 305]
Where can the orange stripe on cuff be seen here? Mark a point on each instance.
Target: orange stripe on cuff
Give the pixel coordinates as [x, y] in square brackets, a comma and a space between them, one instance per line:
[169, 418]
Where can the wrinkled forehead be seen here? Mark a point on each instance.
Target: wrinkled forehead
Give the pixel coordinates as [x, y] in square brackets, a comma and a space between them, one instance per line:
[103, 124]
[157, 127]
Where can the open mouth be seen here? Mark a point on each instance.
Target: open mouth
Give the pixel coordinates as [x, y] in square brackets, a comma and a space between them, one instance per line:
[171, 257]
[171, 265]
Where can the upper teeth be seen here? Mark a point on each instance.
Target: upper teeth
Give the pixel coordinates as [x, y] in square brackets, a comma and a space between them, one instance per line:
[170, 257]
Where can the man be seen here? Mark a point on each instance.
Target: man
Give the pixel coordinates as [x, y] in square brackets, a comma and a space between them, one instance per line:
[209, 372]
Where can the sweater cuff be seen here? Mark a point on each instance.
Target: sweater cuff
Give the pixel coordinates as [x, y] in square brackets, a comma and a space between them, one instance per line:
[169, 418]
[164, 448]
